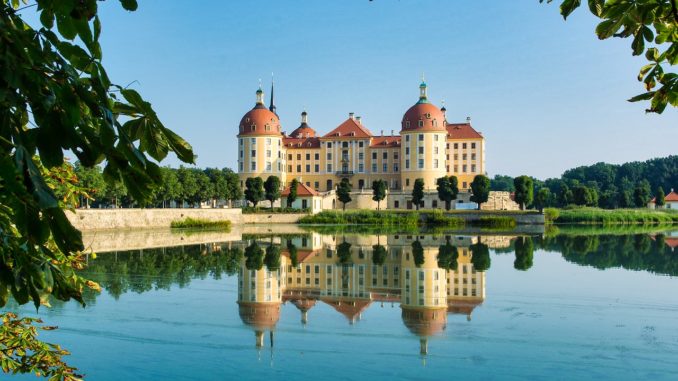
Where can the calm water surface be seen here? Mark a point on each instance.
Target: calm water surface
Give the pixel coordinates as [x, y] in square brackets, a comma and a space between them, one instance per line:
[345, 306]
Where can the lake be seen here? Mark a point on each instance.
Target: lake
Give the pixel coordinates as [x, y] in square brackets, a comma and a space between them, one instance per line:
[572, 304]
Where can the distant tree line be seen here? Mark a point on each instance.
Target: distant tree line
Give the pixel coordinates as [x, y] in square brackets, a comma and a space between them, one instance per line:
[183, 186]
[600, 185]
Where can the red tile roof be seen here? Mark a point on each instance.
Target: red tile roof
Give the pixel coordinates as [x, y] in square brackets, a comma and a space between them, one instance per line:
[349, 307]
[671, 197]
[302, 191]
[671, 242]
[350, 128]
[462, 131]
[292, 143]
[385, 142]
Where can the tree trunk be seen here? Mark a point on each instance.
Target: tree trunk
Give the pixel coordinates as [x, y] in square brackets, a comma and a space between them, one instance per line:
[447, 205]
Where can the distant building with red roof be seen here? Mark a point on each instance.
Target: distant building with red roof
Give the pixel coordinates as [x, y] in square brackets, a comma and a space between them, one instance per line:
[670, 201]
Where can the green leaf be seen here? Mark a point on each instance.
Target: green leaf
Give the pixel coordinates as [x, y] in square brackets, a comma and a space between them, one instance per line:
[66, 26]
[130, 5]
[568, 6]
[638, 44]
[596, 7]
[608, 28]
[47, 18]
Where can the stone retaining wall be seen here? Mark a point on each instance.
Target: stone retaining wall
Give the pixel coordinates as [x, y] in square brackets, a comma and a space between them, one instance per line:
[98, 219]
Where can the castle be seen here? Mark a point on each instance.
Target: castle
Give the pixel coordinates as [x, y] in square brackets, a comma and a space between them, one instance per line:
[427, 147]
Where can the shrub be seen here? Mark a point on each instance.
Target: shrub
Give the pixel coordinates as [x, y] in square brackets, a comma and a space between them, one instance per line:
[551, 215]
[189, 222]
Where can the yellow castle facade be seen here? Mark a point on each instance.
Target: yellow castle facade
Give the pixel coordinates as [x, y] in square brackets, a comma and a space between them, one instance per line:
[426, 147]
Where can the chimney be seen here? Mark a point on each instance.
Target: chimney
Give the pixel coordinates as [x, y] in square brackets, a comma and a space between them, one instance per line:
[382, 132]
[351, 115]
[468, 119]
[358, 119]
[392, 134]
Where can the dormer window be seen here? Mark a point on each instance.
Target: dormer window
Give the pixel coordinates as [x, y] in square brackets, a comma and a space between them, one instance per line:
[428, 115]
[247, 119]
[253, 127]
[421, 123]
[435, 123]
[407, 124]
[268, 127]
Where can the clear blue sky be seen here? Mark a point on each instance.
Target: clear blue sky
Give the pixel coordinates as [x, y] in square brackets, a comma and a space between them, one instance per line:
[546, 94]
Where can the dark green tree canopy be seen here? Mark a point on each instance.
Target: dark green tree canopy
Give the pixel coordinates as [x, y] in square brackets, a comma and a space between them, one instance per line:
[447, 189]
[378, 192]
[292, 196]
[272, 188]
[344, 192]
[254, 190]
[418, 193]
[480, 189]
[524, 191]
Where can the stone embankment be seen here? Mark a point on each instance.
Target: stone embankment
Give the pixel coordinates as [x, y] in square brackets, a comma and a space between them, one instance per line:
[102, 219]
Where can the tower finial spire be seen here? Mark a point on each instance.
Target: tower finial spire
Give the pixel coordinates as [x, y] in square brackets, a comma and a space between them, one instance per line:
[423, 97]
[272, 103]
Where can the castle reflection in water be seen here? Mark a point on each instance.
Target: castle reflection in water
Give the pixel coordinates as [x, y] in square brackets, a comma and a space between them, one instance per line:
[351, 283]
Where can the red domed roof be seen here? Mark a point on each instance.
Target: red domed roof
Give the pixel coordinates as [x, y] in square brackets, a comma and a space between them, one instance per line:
[425, 321]
[260, 121]
[303, 131]
[424, 116]
[261, 316]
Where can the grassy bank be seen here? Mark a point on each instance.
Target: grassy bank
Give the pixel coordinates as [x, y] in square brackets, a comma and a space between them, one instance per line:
[363, 217]
[196, 223]
[595, 216]
[405, 219]
[284, 210]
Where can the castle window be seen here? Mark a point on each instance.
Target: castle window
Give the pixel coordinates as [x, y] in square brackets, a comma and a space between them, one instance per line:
[298, 156]
[463, 156]
[329, 156]
[254, 153]
[289, 156]
[407, 124]
[361, 168]
[298, 168]
[435, 137]
[329, 168]
[316, 185]
[463, 146]
[407, 182]
[435, 163]
[268, 128]
[374, 167]
[253, 166]
[308, 168]
[464, 168]
[308, 156]
[421, 150]
[473, 145]
[421, 163]
[253, 127]
[407, 166]
[395, 155]
[344, 145]
[361, 156]
[374, 156]
[268, 166]
[407, 138]
[428, 115]
[456, 170]
[241, 166]
[385, 167]
[421, 123]
[242, 153]
[435, 124]
[456, 145]
[421, 137]
[395, 167]
[473, 156]
[407, 150]
[317, 169]
[473, 167]
[384, 155]
[317, 156]
[289, 168]
[435, 150]
[329, 144]
[247, 119]
[360, 144]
